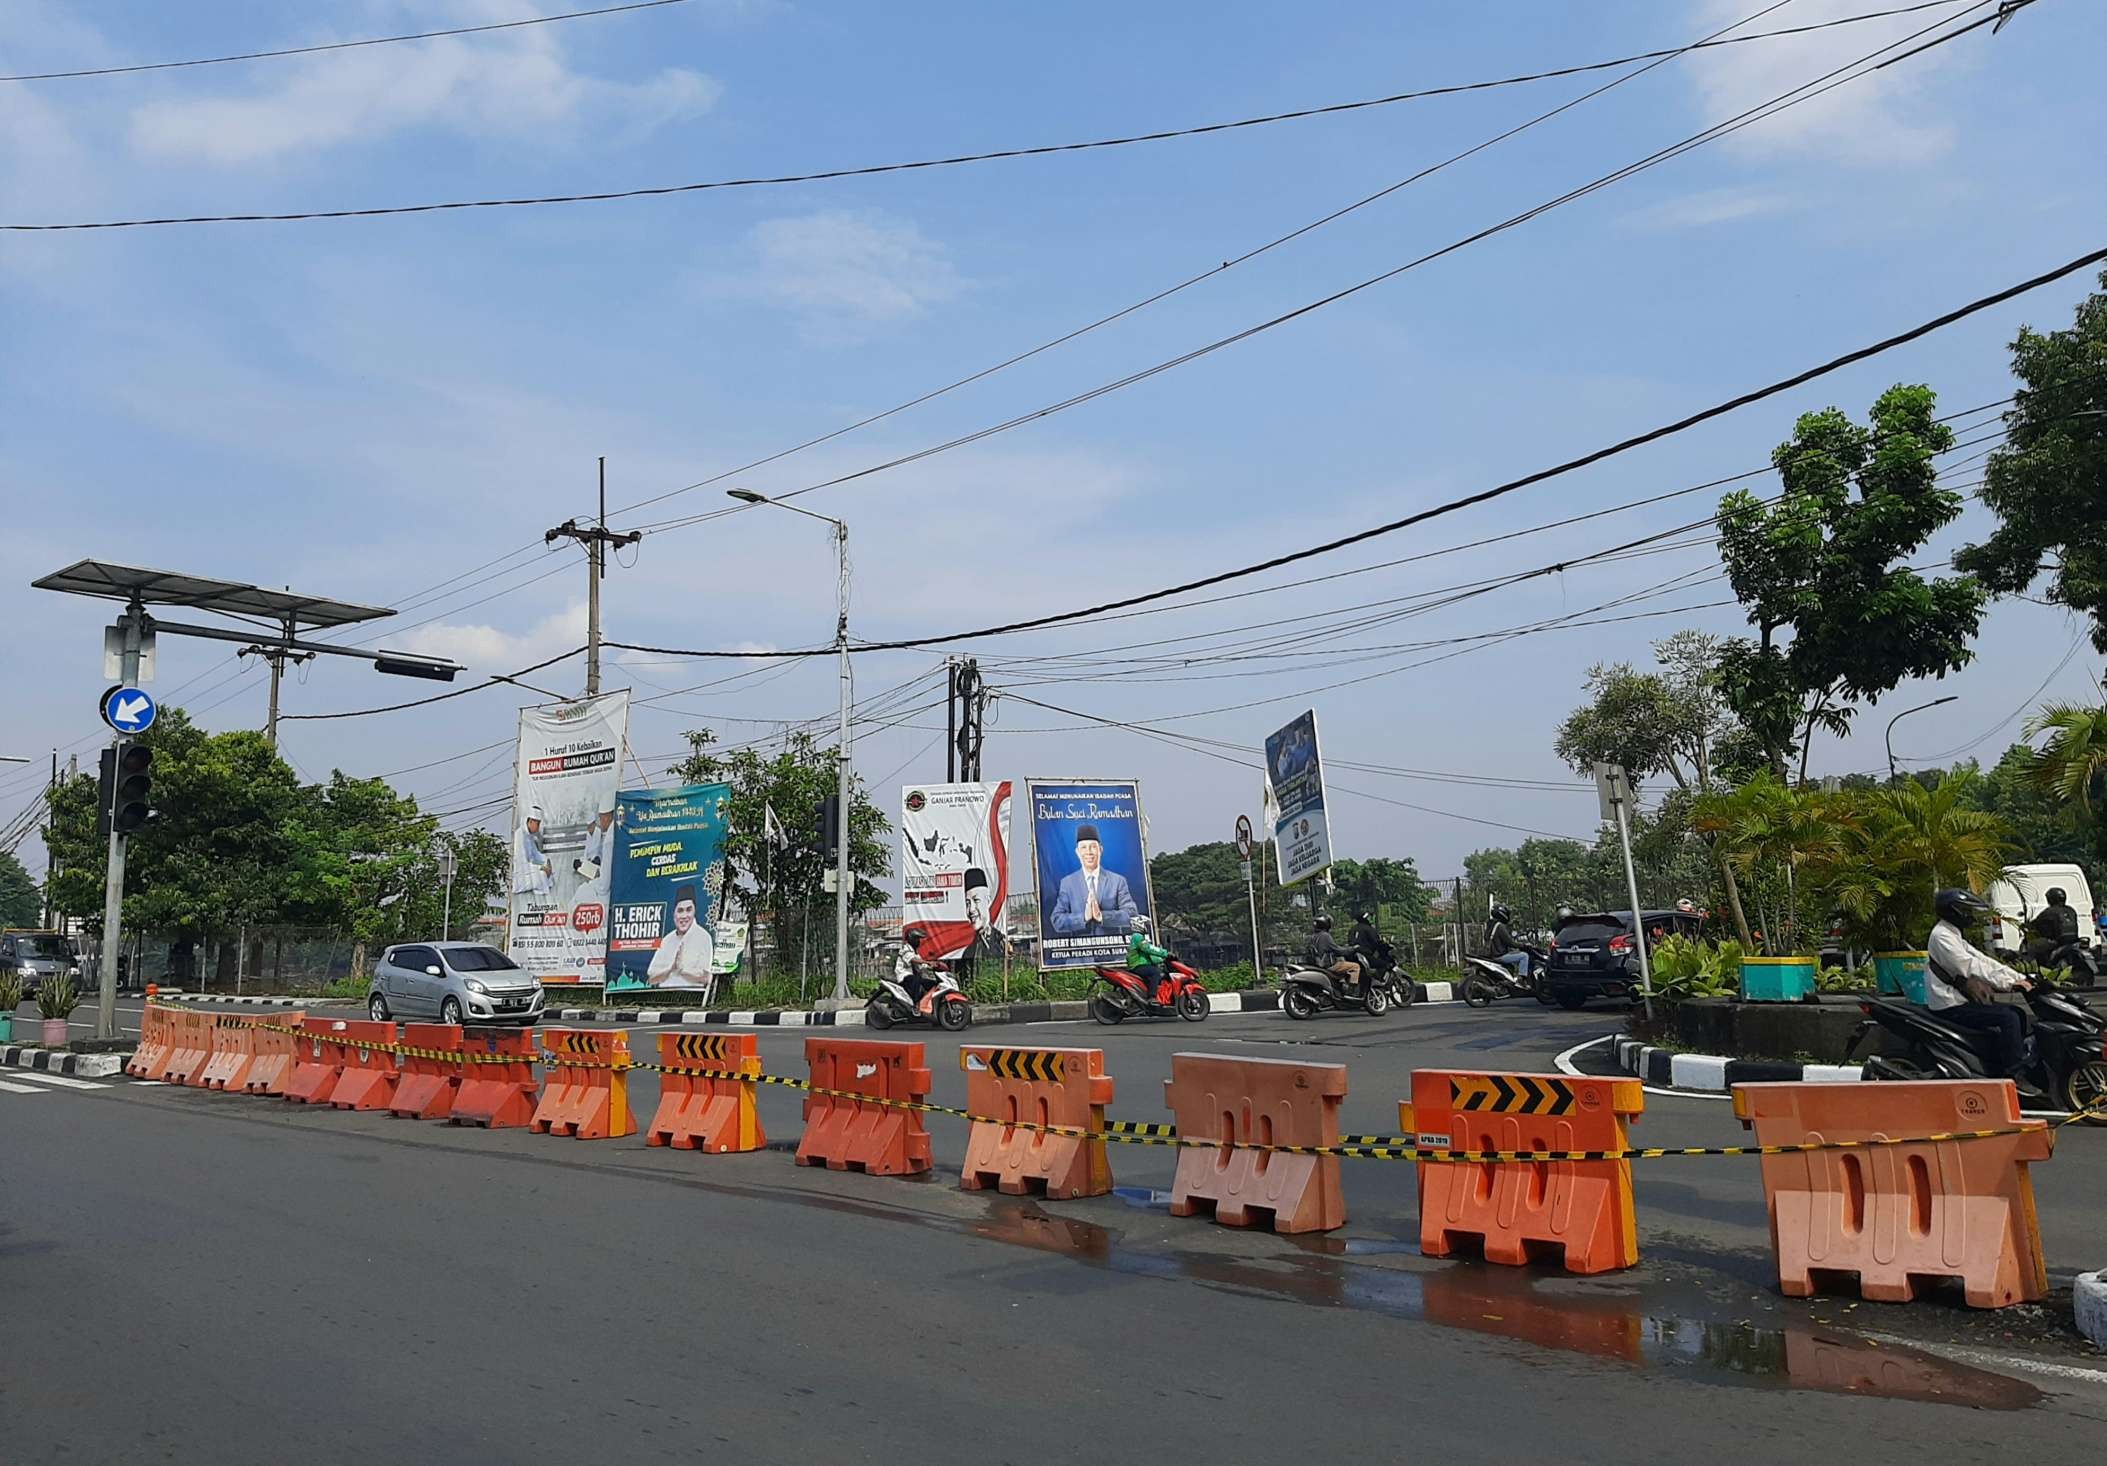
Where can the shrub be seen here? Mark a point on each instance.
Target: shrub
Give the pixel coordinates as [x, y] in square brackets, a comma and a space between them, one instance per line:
[58, 995]
[348, 987]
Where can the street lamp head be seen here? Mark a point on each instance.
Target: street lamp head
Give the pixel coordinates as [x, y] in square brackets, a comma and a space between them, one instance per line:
[747, 496]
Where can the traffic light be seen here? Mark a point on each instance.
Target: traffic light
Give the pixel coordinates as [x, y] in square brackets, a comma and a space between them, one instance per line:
[105, 788]
[830, 825]
[135, 786]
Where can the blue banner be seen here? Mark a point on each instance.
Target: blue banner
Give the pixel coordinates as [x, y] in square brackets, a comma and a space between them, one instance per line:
[669, 929]
[1092, 866]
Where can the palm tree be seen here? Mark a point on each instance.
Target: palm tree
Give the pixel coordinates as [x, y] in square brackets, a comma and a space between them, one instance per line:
[2074, 759]
[1767, 822]
[1901, 845]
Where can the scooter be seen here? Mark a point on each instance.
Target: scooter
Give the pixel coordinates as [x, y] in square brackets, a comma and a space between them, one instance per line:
[943, 1006]
[1307, 991]
[2074, 957]
[1117, 995]
[2066, 1053]
[1485, 980]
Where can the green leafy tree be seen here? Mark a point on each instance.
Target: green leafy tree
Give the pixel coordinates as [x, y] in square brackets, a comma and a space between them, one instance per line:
[795, 780]
[1840, 619]
[1391, 889]
[2048, 481]
[1200, 892]
[1895, 847]
[21, 904]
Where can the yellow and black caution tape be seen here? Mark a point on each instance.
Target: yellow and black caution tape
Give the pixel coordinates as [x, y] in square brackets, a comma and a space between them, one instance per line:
[1133, 1132]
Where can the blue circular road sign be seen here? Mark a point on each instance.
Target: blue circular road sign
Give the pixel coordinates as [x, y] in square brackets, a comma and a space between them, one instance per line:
[128, 710]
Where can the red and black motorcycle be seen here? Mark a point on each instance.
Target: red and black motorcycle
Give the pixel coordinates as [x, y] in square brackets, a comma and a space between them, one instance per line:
[1117, 995]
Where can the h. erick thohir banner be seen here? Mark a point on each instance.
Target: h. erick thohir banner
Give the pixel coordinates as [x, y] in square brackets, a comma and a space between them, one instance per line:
[568, 767]
[1090, 855]
[1302, 837]
[955, 867]
[668, 929]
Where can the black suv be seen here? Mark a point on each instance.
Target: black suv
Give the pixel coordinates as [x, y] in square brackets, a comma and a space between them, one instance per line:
[1592, 955]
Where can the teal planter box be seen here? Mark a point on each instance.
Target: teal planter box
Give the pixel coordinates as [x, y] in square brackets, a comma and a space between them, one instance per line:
[7, 1027]
[1900, 973]
[1776, 979]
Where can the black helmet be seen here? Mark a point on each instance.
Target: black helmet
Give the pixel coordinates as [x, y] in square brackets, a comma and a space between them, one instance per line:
[1961, 906]
[1323, 924]
[2056, 896]
[914, 936]
[1500, 913]
[1366, 918]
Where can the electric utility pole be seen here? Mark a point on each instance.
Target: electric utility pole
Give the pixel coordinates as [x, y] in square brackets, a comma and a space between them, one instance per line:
[596, 538]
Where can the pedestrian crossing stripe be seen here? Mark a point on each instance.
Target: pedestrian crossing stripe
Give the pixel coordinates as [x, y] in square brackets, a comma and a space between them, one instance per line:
[1510, 1094]
[1042, 1065]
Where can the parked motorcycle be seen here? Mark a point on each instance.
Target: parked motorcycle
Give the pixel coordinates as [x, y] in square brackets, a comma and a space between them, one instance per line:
[2066, 1056]
[1117, 995]
[943, 1006]
[1307, 991]
[1485, 980]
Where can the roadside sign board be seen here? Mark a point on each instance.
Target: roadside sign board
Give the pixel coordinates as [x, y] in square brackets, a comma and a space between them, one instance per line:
[128, 710]
[1243, 838]
[1612, 788]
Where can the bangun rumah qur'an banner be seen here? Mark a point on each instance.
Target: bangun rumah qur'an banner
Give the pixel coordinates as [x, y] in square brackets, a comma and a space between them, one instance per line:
[670, 928]
[1091, 862]
[568, 766]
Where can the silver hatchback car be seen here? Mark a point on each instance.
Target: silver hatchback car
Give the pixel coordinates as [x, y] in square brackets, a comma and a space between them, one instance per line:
[453, 982]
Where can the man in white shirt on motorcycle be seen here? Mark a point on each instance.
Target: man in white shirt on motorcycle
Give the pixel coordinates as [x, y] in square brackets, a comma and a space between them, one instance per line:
[1954, 967]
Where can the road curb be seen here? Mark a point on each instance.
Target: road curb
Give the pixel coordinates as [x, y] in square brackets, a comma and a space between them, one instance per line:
[985, 1015]
[245, 1002]
[1717, 1074]
[56, 1061]
[2090, 1296]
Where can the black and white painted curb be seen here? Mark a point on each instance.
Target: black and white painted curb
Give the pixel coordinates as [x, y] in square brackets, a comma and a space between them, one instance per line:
[243, 1001]
[985, 1015]
[1716, 1074]
[2090, 1297]
[54, 1061]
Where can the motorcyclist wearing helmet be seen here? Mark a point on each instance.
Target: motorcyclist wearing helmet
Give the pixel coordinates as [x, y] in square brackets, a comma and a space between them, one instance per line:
[1957, 977]
[1144, 958]
[910, 969]
[2053, 928]
[1368, 944]
[1506, 948]
[1328, 957]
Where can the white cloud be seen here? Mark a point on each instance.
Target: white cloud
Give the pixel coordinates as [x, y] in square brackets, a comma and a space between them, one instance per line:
[1881, 118]
[488, 650]
[1710, 206]
[504, 84]
[844, 270]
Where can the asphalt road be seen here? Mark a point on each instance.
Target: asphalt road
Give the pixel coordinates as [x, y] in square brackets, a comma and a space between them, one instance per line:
[197, 1277]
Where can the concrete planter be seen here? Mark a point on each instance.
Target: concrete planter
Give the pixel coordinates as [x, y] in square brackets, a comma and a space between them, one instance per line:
[7, 1027]
[54, 1033]
[1776, 979]
[1900, 974]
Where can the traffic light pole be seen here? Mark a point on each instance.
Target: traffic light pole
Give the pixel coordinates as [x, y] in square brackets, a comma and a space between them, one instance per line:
[113, 879]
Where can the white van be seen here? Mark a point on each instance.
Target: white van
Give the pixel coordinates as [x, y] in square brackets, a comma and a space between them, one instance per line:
[2023, 891]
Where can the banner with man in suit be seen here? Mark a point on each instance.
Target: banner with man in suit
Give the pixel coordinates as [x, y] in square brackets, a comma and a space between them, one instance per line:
[1091, 863]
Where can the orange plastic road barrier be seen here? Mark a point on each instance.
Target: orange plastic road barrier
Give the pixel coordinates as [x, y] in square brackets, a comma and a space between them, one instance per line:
[849, 1134]
[1577, 1213]
[585, 1094]
[1042, 1087]
[698, 1111]
[497, 1080]
[367, 1080]
[157, 1032]
[1901, 1216]
[192, 1050]
[232, 1052]
[271, 1043]
[429, 1071]
[318, 1062]
[1263, 1102]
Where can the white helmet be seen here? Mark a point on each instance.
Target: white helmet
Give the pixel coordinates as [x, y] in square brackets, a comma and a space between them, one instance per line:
[534, 812]
[1140, 924]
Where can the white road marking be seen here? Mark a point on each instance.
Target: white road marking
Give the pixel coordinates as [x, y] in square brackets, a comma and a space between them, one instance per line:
[1992, 1357]
[21, 1088]
[61, 1081]
[1565, 1066]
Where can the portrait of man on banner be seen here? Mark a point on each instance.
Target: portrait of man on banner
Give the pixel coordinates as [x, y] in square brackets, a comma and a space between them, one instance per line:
[1091, 862]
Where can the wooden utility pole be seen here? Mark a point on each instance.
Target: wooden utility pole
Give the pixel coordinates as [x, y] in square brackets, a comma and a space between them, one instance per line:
[596, 538]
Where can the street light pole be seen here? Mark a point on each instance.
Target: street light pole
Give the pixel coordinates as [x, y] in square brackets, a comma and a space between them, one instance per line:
[1890, 735]
[842, 770]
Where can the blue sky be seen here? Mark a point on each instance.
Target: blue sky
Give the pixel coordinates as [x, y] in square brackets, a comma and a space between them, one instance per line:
[369, 408]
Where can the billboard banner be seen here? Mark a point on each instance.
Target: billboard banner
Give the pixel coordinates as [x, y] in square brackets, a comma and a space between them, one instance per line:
[955, 867]
[667, 930]
[568, 766]
[1302, 837]
[1091, 862]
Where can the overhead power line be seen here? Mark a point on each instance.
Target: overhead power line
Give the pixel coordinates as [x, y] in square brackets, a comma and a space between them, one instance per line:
[1637, 440]
[459, 30]
[921, 164]
[1806, 91]
[396, 707]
